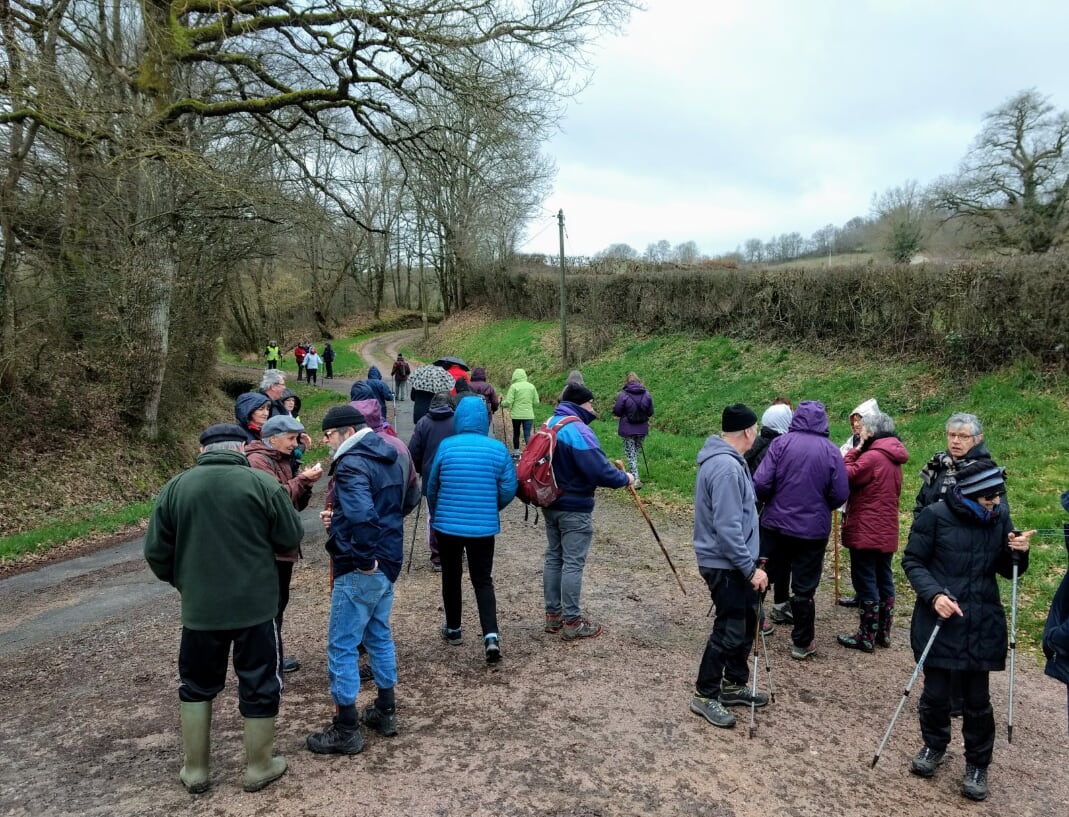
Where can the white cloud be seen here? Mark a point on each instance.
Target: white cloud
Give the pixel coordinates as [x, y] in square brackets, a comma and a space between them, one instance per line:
[721, 121]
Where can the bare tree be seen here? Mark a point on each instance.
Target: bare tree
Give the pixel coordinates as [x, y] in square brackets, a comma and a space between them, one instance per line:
[1014, 182]
[901, 213]
[620, 252]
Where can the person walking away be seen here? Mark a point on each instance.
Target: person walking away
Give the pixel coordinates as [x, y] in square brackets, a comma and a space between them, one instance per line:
[400, 372]
[372, 495]
[1056, 630]
[775, 421]
[273, 455]
[300, 351]
[955, 549]
[633, 408]
[579, 468]
[520, 400]
[853, 441]
[481, 386]
[471, 479]
[800, 480]
[727, 546]
[870, 532]
[328, 360]
[375, 387]
[213, 536]
[273, 356]
[432, 428]
[252, 410]
[312, 362]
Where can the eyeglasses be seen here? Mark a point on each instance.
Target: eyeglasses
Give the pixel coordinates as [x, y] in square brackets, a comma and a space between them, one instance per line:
[953, 435]
[994, 496]
[327, 434]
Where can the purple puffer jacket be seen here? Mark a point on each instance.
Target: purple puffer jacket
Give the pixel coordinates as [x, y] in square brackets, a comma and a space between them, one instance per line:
[633, 396]
[802, 477]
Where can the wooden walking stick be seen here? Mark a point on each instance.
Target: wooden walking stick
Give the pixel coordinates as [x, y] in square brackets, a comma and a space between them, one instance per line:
[835, 545]
[641, 507]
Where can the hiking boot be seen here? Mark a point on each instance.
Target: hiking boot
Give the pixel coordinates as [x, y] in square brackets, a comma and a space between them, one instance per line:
[926, 761]
[712, 710]
[290, 664]
[740, 695]
[492, 647]
[385, 723]
[554, 622]
[974, 784]
[454, 638]
[767, 626]
[638, 484]
[581, 627]
[436, 567]
[801, 652]
[338, 739]
[847, 601]
[366, 675]
[781, 613]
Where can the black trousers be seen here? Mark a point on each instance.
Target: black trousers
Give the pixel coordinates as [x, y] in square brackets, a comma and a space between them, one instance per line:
[977, 717]
[734, 628]
[330, 369]
[480, 552]
[803, 560]
[202, 658]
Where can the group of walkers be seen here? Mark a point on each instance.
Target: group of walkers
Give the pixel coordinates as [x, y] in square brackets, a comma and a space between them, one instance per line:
[227, 535]
[308, 361]
[763, 514]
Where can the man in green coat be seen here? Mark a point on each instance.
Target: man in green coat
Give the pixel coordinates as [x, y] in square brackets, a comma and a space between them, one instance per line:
[213, 535]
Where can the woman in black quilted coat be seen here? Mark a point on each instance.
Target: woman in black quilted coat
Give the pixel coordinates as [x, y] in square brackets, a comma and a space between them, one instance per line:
[955, 549]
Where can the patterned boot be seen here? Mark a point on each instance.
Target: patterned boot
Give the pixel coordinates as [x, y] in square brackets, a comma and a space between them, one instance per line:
[887, 617]
[865, 637]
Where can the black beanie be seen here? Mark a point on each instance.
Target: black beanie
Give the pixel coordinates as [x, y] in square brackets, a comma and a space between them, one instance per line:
[738, 417]
[343, 417]
[223, 433]
[576, 393]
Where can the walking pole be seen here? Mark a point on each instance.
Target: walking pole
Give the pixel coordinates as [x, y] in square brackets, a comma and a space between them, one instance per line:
[641, 507]
[1013, 641]
[835, 545]
[758, 645]
[415, 527]
[909, 686]
[764, 644]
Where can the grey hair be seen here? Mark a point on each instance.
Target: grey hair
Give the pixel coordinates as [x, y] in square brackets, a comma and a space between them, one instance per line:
[877, 423]
[272, 377]
[963, 419]
[225, 445]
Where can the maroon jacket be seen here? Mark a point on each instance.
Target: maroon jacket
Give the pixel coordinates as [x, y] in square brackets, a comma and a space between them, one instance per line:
[875, 475]
[271, 461]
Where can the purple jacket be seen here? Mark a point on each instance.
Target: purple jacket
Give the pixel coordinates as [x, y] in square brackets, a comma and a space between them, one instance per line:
[633, 396]
[802, 477]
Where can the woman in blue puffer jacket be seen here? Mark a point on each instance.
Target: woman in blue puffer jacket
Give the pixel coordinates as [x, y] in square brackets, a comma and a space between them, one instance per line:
[470, 480]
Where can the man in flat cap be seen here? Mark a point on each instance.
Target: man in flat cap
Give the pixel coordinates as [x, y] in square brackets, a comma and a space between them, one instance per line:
[726, 545]
[372, 494]
[579, 467]
[273, 454]
[213, 535]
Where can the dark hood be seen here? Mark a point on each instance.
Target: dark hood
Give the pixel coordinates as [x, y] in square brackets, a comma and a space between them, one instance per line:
[374, 374]
[478, 373]
[246, 404]
[297, 401]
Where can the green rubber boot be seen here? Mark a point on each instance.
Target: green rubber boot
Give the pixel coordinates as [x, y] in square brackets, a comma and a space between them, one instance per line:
[196, 740]
[262, 769]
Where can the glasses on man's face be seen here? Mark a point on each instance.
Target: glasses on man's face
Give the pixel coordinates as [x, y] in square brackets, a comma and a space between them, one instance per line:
[994, 496]
[327, 434]
[954, 435]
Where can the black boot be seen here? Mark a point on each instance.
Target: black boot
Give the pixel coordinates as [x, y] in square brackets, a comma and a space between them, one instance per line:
[887, 617]
[865, 637]
[342, 737]
[847, 601]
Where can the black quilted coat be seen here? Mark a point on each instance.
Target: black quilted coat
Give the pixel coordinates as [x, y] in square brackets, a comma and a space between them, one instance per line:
[951, 550]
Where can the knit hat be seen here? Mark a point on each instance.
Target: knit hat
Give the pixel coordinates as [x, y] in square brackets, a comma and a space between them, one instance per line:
[280, 424]
[223, 433]
[778, 418]
[576, 393]
[343, 417]
[980, 478]
[738, 417]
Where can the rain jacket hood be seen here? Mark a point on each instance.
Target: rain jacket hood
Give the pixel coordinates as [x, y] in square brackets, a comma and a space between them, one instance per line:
[470, 416]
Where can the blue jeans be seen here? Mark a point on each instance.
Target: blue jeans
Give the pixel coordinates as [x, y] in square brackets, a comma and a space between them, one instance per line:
[568, 535]
[871, 575]
[360, 612]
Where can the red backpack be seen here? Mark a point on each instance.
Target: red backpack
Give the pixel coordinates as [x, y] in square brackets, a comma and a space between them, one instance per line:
[536, 484]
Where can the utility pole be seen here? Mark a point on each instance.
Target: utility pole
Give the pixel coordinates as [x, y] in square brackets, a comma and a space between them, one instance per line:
[563, 296]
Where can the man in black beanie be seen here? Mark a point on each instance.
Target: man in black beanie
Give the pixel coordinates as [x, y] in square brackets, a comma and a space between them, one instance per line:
[372, 494]
[579, 467]
[726, 545]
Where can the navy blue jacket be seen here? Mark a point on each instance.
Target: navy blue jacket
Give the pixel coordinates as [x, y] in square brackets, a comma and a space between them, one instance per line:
[374, 386]
[1056, 633]
[432, 428]
[371, 499]
[579, 464]
[471, 477]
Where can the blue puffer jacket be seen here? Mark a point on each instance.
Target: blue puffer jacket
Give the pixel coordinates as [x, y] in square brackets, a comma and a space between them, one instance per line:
[802, 477]
[370, 503]
[472, 476]
[579, 464]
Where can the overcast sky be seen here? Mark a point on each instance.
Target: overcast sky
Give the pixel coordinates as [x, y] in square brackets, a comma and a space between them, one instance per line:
[715, 121]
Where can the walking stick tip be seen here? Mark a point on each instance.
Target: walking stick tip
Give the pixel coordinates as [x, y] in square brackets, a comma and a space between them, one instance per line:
[875, 760]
